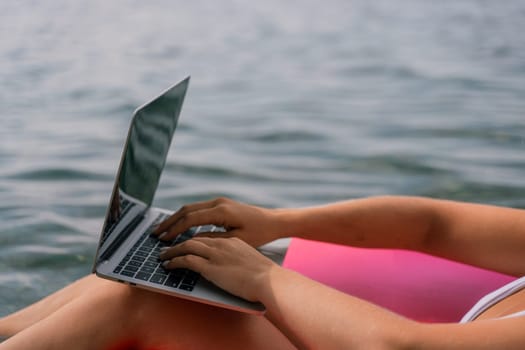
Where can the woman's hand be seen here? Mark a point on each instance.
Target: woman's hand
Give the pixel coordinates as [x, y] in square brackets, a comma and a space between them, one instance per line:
[252, 224]
[229, 263]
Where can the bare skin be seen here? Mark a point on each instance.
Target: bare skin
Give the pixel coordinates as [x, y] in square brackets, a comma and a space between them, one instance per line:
[162, 322]
[486, 236]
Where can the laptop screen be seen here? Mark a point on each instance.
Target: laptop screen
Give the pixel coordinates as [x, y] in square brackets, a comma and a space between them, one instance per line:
[143, 160]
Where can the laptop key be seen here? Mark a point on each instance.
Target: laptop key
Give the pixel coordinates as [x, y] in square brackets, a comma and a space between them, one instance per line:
[138, 258]
[153, 259]
[144, 250]
[178, 272]
[173, 281]
[156, 278]
[148, 245]
[190, 279]
[131, 268]
[151, 264]
[143, 276]
[147, 269]
[186, 287]
[135, 263]
[127, 273]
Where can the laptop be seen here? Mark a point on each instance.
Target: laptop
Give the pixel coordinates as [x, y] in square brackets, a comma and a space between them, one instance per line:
[127, 252]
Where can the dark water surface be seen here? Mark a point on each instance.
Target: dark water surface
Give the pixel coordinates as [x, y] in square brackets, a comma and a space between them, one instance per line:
[290, 104]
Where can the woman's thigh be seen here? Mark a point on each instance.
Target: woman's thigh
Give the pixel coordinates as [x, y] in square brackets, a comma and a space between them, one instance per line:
[102, 313]
[169, 322]
[26, 317]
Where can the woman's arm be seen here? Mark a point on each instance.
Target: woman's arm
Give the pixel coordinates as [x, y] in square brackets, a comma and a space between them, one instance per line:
[482, 235]
[487, 236]
[314, 316]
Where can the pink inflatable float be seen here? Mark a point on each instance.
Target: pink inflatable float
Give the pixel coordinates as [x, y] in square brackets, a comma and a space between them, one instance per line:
[416, 285]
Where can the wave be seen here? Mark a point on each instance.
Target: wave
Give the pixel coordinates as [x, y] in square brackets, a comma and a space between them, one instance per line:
[57, 174]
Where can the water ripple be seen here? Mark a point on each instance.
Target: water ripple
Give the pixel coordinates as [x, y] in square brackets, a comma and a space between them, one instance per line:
[57, 174]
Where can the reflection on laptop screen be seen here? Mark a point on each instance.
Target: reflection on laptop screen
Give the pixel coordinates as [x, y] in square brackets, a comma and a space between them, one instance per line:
[143, 160]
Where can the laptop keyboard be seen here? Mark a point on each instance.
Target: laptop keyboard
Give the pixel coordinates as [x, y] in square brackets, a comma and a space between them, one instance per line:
[142, 261]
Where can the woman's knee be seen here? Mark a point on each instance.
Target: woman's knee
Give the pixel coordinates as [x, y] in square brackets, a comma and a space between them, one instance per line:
[153, 318]
[110, 298]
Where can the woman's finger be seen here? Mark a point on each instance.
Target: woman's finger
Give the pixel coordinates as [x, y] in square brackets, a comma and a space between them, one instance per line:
[218, 215]
[216, 234]
[184, 210]
[192, 262]
[198, 247]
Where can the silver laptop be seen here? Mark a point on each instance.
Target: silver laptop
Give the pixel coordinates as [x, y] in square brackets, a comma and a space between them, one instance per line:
[126, 251]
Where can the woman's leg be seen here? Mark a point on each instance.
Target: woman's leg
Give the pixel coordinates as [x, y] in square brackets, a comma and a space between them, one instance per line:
[86, 321]
[18, 321]
[112, 312]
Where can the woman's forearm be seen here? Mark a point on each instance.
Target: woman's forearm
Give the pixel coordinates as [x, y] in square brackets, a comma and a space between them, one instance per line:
[314, 316]
[483, 235]
[376, 222]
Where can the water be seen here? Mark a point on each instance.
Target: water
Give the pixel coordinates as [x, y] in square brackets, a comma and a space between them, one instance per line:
[290, 104]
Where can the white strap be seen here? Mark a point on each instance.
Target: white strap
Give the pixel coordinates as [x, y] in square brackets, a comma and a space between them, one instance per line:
[494, 298]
